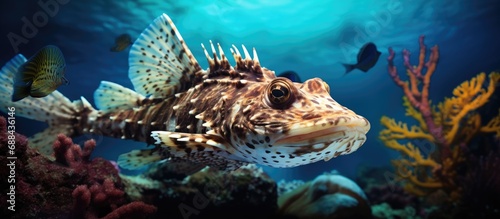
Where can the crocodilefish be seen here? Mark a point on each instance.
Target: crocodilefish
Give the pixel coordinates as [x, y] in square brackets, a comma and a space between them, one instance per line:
[42, 74]
[225, 116]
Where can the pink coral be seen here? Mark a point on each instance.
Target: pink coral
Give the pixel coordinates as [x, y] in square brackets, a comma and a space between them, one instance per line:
[81, 200]
[136, 209]
[72, 186]
[71, 154]
[92, 202]
[419, 99]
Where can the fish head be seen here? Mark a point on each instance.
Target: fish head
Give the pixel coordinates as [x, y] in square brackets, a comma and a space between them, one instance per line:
[287, 124]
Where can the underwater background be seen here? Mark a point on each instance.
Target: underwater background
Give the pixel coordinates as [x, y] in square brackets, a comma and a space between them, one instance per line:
[312, 38]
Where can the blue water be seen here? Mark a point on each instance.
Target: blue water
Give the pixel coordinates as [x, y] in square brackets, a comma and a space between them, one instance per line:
[312, 38]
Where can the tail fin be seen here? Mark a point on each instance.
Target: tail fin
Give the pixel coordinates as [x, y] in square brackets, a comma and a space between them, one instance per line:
[55, 109]
[348, 68]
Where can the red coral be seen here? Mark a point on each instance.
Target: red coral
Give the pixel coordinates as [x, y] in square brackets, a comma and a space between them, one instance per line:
[48, 189]
[71, 154]
[136, 209]
[96, 201]
[81, 200]
[21, 142]
[106, 194]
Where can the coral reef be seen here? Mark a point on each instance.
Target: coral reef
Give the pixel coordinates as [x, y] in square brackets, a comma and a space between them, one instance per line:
[380, 187]
[46, 188]
[88, 202]
[450, 158]
[288, 186]
[394, 196]
[207, 193]
[327, 196]
[385, 211]
[445, 130]
[481, 190]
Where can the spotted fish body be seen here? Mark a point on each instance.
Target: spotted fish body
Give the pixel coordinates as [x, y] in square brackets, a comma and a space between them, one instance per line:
[224, 116]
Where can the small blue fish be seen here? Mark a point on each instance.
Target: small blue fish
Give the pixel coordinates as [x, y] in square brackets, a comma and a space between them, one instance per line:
[42, 74]
[367, 58]
[121, 43]
[293, 76]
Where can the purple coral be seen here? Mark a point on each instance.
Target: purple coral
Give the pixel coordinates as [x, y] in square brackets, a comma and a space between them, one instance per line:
[420, 99]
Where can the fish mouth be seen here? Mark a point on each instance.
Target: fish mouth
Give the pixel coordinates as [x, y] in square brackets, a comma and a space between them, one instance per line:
[322, 131]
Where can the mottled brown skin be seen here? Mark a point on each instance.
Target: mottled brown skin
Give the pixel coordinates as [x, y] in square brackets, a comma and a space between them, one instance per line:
[225, 116]
[242, 114]
[234, 104]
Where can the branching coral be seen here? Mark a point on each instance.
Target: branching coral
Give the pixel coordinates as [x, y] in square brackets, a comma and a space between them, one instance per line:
[448, 126]
[71, 186]
[88, 202]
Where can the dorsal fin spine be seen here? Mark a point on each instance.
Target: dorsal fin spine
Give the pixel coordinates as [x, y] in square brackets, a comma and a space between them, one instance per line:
[256, 58]
[160, 62]
[221, 53]
[245, 51]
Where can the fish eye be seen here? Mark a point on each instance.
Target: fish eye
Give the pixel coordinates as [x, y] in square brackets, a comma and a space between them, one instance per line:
[279, 93]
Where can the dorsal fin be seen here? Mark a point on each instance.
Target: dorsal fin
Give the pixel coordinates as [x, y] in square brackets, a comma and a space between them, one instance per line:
[111, 97]
[218, 66]
[250, 66]
[246, 68]
[160, 63]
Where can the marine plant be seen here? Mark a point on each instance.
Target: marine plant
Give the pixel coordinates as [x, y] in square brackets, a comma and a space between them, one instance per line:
[449, 126]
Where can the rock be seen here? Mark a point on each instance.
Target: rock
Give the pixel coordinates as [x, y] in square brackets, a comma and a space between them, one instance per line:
[327, 196]
[247, 192]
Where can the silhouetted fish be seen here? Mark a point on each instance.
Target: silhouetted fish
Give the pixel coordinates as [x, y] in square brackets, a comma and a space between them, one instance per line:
[121, 43]
[367, 58]
[293, 76]
[41, 74]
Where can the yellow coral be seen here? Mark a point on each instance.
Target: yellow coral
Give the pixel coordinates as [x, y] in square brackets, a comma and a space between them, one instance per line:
[470, 128]
[445, 125]
[411, 111]
[493, 126]
[469, 96]
[400, 131]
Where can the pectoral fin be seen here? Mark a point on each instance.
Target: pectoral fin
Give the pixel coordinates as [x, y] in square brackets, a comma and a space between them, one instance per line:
[190, 143]
[139, 158]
